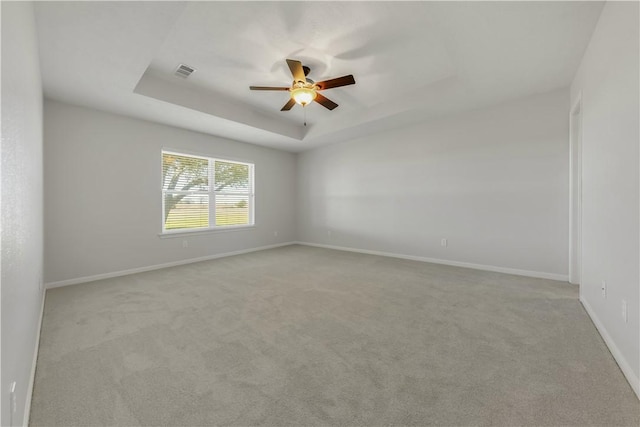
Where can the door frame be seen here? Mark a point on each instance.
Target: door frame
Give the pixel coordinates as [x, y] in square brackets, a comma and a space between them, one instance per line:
[575, 191]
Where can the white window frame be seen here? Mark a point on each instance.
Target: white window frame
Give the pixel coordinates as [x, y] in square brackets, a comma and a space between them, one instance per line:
[212, 196]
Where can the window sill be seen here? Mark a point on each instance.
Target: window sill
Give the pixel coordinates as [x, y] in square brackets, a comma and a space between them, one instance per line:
[184, 233]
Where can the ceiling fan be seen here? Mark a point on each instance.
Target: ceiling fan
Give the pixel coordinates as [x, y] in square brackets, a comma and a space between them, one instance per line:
[304, 90]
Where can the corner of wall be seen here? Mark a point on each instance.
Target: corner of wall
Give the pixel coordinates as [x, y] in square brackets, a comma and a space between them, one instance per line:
[22, 207]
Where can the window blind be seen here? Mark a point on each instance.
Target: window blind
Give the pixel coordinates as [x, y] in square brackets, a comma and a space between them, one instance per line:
[202, 192]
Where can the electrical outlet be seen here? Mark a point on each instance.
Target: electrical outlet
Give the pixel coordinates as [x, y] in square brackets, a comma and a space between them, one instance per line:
[275, 233]
[443, 243]
[329, 233]
[625, 313]
[185, 243]
[604, 289]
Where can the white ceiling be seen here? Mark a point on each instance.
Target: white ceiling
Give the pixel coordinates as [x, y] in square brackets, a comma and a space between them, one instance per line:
[411, 61]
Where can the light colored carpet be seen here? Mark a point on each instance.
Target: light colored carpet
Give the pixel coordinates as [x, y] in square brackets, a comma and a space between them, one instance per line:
[301, 336]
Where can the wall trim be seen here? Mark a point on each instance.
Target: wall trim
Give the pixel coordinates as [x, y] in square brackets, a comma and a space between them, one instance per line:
[51, 285]
[633, 380]
[32, 377]
[506, 270]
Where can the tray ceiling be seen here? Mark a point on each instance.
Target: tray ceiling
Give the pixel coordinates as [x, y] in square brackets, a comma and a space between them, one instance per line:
[411, 61]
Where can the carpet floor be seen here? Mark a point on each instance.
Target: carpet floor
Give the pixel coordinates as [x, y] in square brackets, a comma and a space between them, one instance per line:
[303, 336]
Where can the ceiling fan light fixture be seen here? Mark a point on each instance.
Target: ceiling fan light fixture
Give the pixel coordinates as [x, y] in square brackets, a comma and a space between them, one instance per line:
[303, 95]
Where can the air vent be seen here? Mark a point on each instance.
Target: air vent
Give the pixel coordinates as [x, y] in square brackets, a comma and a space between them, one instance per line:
[184, 71]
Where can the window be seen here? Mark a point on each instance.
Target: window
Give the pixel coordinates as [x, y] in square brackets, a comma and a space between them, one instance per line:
[205, 193]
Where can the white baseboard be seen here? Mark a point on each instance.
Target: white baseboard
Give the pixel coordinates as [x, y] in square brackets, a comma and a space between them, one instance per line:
[613, 348]
[32, 378]
[85, 279]
[517, 272]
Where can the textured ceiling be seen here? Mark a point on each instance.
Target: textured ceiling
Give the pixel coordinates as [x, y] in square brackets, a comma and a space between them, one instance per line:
[411, 61]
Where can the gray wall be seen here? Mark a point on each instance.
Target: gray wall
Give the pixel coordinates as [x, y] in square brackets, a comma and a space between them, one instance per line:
[494, 182]
[21, 203]
[607, 80]
[103, 199]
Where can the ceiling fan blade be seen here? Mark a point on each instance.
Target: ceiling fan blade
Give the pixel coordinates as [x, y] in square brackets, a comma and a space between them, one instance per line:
[267, 88]
[296, 70]
[337, 82]
[325, 102]
[288, 105]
